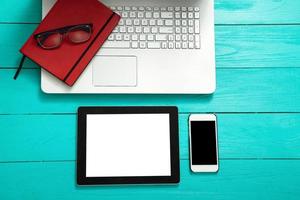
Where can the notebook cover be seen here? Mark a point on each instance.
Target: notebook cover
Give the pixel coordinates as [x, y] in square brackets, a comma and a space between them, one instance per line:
[69, 60]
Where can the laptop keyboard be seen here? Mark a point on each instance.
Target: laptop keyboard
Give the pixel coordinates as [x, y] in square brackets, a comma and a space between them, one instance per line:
[156, 28]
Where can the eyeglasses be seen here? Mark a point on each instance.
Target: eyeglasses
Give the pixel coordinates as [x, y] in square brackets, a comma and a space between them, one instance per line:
[52, 39]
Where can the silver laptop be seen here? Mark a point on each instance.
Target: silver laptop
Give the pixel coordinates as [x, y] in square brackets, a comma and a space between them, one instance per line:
[159, 47]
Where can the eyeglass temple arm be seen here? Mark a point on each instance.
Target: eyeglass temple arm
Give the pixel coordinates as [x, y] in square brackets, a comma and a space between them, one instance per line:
[19, 68]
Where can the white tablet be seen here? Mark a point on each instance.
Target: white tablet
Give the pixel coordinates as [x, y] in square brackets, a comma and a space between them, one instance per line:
[127, 145]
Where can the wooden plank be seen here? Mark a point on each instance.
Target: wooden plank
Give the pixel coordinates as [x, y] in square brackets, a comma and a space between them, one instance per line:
[257, 12]
[238, 90]
[237, 179]
[226, 11]
[236, 46]
[25, 11]
[53, 137]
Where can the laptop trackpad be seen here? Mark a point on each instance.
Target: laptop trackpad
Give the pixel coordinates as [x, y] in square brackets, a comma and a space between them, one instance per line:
[114, 71]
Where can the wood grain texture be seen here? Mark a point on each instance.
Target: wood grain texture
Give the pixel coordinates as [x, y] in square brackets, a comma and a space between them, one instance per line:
[226, 11]
[238, 90]
[236, 46]
[237, 179]
[241, 136]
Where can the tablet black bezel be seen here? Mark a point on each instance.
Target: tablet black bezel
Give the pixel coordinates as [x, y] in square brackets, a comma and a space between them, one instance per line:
[81, 146]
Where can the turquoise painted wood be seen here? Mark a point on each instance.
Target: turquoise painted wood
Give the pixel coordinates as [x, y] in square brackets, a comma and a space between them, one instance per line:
[241, 136]
[236, 46]
[257, 102]
[237, 179]
[227, 11]
[238, 90]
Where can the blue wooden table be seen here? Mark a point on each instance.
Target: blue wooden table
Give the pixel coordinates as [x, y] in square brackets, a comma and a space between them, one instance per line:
[257, 102]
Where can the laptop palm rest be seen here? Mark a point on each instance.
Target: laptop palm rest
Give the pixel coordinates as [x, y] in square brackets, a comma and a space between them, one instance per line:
[114, 71]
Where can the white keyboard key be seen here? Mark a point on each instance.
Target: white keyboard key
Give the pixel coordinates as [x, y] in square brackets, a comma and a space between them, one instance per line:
[171, 45]
[169, 22]
[177, 30]
[154, 30]
[150, 37]
[177, 45]
[130, 29]
[134, 8]
[127, 8]
[116, 30]
[160, 22]
[126, 37]
[177, 8]
[124, 14]
[197, 9]
[163, 9]
[134, 37]
[177, 38]
[143, 37]
[184, 37]
[111, 37]
[184, 30]
[170, 8]
[183, 8]
[190, 15]
[191, 38]
[128, 22]
[183, 15]
[156, 15]
[191, 23]
[119, 8]
[138, 29]
[119, 37]
[134, 45]
[140, 14]
[152, 22]
[153, 45]
[144, 22]
[166, 15]
[191, 30]
[148, 8]
[116, 44]
[177, 22]
[191, 45]
[190, 9]
[166, 29]
[141, 8]
[197, 41]
[121, 22]
[184, 22]
[184, 45]
[132, 14]
[146, 29]
[136, 22]
[142, 45]
[148, 15]
[164, 45]
[161, 37]
[122, 29]
[197, 26]
[177, 15]
[197, 15]
[171, 37]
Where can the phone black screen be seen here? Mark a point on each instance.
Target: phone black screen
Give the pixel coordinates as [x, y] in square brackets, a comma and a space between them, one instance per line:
[203, 141]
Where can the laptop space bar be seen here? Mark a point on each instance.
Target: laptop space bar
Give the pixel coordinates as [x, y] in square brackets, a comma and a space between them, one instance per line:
[116, 44]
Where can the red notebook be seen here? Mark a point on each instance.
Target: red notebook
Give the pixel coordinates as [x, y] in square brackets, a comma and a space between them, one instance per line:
[69, 60]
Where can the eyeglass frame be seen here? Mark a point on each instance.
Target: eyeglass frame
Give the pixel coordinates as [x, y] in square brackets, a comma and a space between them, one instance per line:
[62, 31]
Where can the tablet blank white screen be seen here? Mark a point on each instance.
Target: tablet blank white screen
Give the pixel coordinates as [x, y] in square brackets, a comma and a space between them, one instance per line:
[128, 145]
